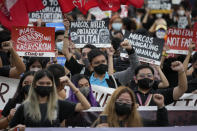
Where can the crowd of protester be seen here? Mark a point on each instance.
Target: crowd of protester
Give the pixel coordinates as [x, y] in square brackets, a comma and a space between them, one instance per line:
[50, 94]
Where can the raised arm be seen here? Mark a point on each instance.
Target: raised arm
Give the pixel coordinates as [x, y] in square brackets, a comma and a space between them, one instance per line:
[19, 66]
[83, 102]
[65, 49]
[182, 80]
[186, 61]
[110, 53]
[164, 82]
[125, 76]
[162, 113]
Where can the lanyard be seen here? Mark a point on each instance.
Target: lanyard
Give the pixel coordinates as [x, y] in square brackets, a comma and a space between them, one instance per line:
[147, 102]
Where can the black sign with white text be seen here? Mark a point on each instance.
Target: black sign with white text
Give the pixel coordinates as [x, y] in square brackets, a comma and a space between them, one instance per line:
[51, 12]
[149, 49]
[90, 32]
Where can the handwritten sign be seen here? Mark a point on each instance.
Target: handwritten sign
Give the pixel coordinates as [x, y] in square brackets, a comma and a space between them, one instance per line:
[51, 12]
[179, 39]
[159, 6]
[8, 87]
[34, 41]
[90, 32]
[149, 49]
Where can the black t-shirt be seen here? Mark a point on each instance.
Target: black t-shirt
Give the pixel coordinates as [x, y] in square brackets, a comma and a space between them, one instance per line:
[143, 99]
[5, 71]
[66, 109]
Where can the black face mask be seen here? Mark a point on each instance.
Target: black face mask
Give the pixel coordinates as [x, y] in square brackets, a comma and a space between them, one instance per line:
[101, 69]
[145, 83]
[122, 108]
[26, 89]
[43, 90]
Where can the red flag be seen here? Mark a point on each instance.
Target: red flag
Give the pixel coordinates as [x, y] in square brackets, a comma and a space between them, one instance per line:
[15, 12]
[83, 5]
[114, 5]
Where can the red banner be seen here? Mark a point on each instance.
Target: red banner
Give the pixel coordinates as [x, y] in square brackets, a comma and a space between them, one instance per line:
[34, 41]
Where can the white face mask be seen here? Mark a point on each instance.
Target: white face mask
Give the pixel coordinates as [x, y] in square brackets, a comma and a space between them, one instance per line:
[59, 46]
[117, 26]
[181, 12]
[159, 15]
[35, 69]
[160, 34]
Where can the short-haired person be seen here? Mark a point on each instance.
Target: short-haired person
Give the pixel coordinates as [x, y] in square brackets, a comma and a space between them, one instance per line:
[100, 76]
[42, 107]
[19, 96]
[144, 78]
[121, 111]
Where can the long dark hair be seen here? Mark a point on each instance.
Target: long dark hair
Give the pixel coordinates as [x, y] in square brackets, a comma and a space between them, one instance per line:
[19, 95]
[90, 97]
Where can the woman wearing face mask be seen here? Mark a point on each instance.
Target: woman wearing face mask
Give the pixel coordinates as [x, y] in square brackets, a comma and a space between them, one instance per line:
[121, 111]
[116, 24]
[34, 64]
[42, 107]
[19, 96]
[82, 82]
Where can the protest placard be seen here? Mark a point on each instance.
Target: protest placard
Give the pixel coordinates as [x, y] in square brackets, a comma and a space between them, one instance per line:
[182, 22]
[159, 6]
[8, 87]
[90, 32]
[51, 12]
[34, 41]
[178, 40]
[148, 49]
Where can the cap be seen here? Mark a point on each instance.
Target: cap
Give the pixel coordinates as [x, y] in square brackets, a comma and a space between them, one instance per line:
[161, 26]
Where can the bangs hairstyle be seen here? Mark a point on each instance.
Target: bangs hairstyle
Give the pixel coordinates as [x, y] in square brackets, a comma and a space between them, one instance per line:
[31, 105]
[19, 95]
[133, 119]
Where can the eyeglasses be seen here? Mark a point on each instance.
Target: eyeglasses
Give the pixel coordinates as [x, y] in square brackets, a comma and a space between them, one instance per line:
[124, 101]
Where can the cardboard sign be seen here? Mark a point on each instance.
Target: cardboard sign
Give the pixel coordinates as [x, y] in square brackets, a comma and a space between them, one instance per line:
[34, 41]
[179, 39]
[8, 87]
[159, 6]
[182, 22]
[148, 49]
[90, 32]
[51, 12]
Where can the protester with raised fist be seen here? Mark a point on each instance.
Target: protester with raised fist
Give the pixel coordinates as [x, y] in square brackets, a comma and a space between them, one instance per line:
[121, 111]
